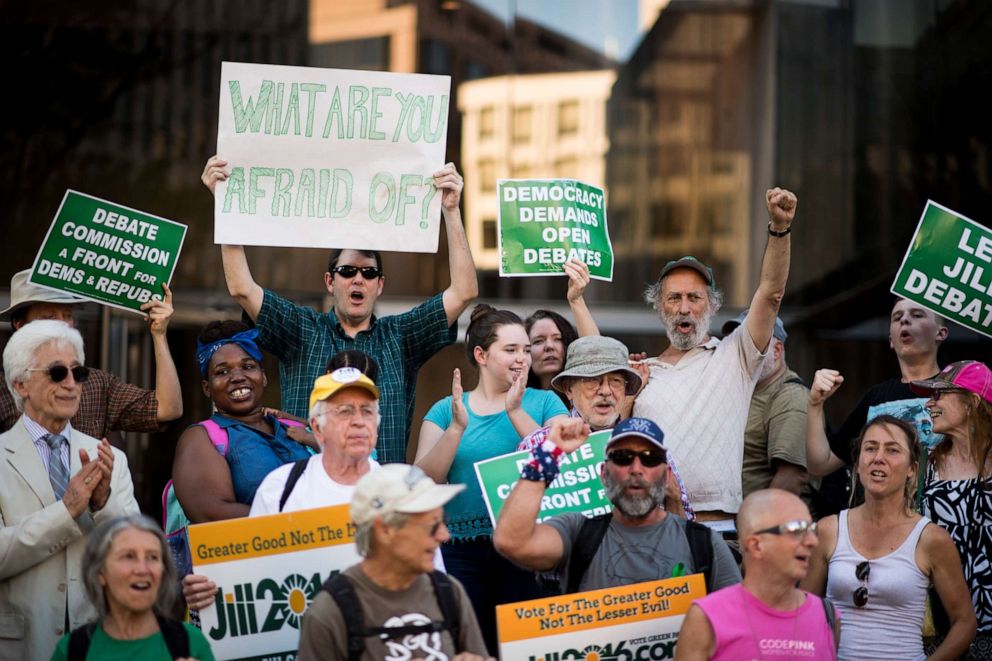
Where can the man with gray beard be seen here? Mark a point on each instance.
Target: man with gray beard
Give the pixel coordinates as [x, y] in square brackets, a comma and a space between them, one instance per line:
[699, 388]
[639, 541]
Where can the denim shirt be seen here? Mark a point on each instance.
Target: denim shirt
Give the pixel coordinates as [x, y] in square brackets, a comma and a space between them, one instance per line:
[252, 454]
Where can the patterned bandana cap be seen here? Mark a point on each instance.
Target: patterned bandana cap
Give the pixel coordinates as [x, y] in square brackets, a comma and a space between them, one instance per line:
[244, 339]
[969, 375]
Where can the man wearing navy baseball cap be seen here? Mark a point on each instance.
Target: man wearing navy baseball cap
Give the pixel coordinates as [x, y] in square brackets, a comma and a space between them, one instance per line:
[638, 541]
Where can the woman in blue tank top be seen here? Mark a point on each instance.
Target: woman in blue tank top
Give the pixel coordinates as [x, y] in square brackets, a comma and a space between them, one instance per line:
[877, 560]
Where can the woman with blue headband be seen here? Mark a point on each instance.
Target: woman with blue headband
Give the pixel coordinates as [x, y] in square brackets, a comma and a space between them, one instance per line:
[221, 461]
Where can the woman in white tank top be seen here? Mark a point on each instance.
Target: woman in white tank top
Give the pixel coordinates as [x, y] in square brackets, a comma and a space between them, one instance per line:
[876, 561]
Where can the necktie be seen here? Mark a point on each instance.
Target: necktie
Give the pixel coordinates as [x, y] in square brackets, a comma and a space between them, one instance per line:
[58, 472]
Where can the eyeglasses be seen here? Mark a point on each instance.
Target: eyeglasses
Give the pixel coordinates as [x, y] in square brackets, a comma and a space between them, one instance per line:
[797, 529]
[349, 412]
[57, 373]
[649, 458]
[432, 528]
[614, 381]
[348, 271]
[861, 572]
[937, 393]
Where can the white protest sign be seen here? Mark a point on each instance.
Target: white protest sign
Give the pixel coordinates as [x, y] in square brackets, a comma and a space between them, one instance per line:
[330, 158]
[268, 569]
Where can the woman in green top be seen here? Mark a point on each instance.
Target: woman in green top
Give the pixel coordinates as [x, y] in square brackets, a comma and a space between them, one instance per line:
[129, 577]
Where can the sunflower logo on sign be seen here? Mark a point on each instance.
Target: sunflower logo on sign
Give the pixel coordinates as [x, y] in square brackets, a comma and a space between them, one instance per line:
[293, 597]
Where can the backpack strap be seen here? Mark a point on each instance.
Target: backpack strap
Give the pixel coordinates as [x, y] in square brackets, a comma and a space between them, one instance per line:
[700, 539]
[444, 589]
[295, 473]
[591, 535]
[176, 637]
[794, 379]
[343, 593]
[217, 434]
[828, 610]
[79, 642]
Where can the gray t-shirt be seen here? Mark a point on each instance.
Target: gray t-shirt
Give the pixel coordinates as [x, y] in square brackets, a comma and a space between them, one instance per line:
[324, 635]
[634, 554]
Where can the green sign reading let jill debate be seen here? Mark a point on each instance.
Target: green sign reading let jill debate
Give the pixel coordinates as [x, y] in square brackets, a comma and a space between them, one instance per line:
[948, 268]
[107, 252]
[545, 222]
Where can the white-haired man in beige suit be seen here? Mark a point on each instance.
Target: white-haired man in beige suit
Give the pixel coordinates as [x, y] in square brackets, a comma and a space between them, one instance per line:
[56, 484]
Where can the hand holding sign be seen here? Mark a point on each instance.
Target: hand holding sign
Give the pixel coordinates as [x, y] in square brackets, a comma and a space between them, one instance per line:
[825, 383]
[159, 312]
[569, 433]
[215, 170]
[578, 279]
[781, 208]
[450, 183]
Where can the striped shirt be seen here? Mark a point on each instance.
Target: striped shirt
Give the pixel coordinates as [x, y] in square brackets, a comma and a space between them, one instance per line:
[38, 434]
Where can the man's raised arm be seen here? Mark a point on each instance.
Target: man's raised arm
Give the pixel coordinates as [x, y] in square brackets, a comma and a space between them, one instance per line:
[517, 535]
[464, 287]
[240, 285]
[774, 266]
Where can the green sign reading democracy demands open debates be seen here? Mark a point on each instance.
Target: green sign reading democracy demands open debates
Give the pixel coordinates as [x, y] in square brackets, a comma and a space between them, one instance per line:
[544, 222]
[576, 489]
[330, 158]
[107, 252]
[948, 268]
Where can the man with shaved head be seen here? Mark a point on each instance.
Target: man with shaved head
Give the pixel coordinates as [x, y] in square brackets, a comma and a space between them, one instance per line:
[767, 614]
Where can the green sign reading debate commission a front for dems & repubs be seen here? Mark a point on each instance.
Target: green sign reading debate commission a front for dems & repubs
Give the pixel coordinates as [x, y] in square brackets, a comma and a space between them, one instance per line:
[545, 222]
[948, 268]
[107, 252]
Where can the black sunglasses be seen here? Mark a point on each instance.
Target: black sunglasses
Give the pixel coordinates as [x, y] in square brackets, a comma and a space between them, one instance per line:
[861, 572]
[348, 271]
[57, 373]
[649, 458]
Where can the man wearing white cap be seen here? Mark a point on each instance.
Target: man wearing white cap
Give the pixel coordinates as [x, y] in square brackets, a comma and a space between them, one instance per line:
[106, 403]
[393, 605]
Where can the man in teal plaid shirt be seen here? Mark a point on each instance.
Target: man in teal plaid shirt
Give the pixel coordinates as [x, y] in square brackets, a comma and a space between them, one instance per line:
[304, 339]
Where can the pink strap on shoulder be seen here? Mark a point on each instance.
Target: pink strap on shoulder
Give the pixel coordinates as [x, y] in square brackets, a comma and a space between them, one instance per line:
[291, 423]
[217, 435]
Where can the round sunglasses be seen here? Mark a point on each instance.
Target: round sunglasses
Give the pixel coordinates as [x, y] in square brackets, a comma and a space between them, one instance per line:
[58, 373]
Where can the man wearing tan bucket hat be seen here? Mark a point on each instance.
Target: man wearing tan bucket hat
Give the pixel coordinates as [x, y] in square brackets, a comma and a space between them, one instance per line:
[106, 404]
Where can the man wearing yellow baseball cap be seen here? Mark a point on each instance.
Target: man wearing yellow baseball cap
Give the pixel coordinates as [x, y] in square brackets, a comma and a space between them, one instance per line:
[344, 417]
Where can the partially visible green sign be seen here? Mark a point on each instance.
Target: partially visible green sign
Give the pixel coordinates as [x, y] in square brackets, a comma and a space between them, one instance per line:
[545, 222]
[948, 268]
[576, 489]
[108, 253]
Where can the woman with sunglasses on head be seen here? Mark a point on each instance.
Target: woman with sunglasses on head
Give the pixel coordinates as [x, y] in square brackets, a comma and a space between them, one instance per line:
[957, 489]
[469, 427]
[877, 560]
[219, 482]
[550, 333]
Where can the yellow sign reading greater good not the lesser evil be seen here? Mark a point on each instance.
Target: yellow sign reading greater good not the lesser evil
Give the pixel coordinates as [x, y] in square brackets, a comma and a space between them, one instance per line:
[639, 621]
[268, 569]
